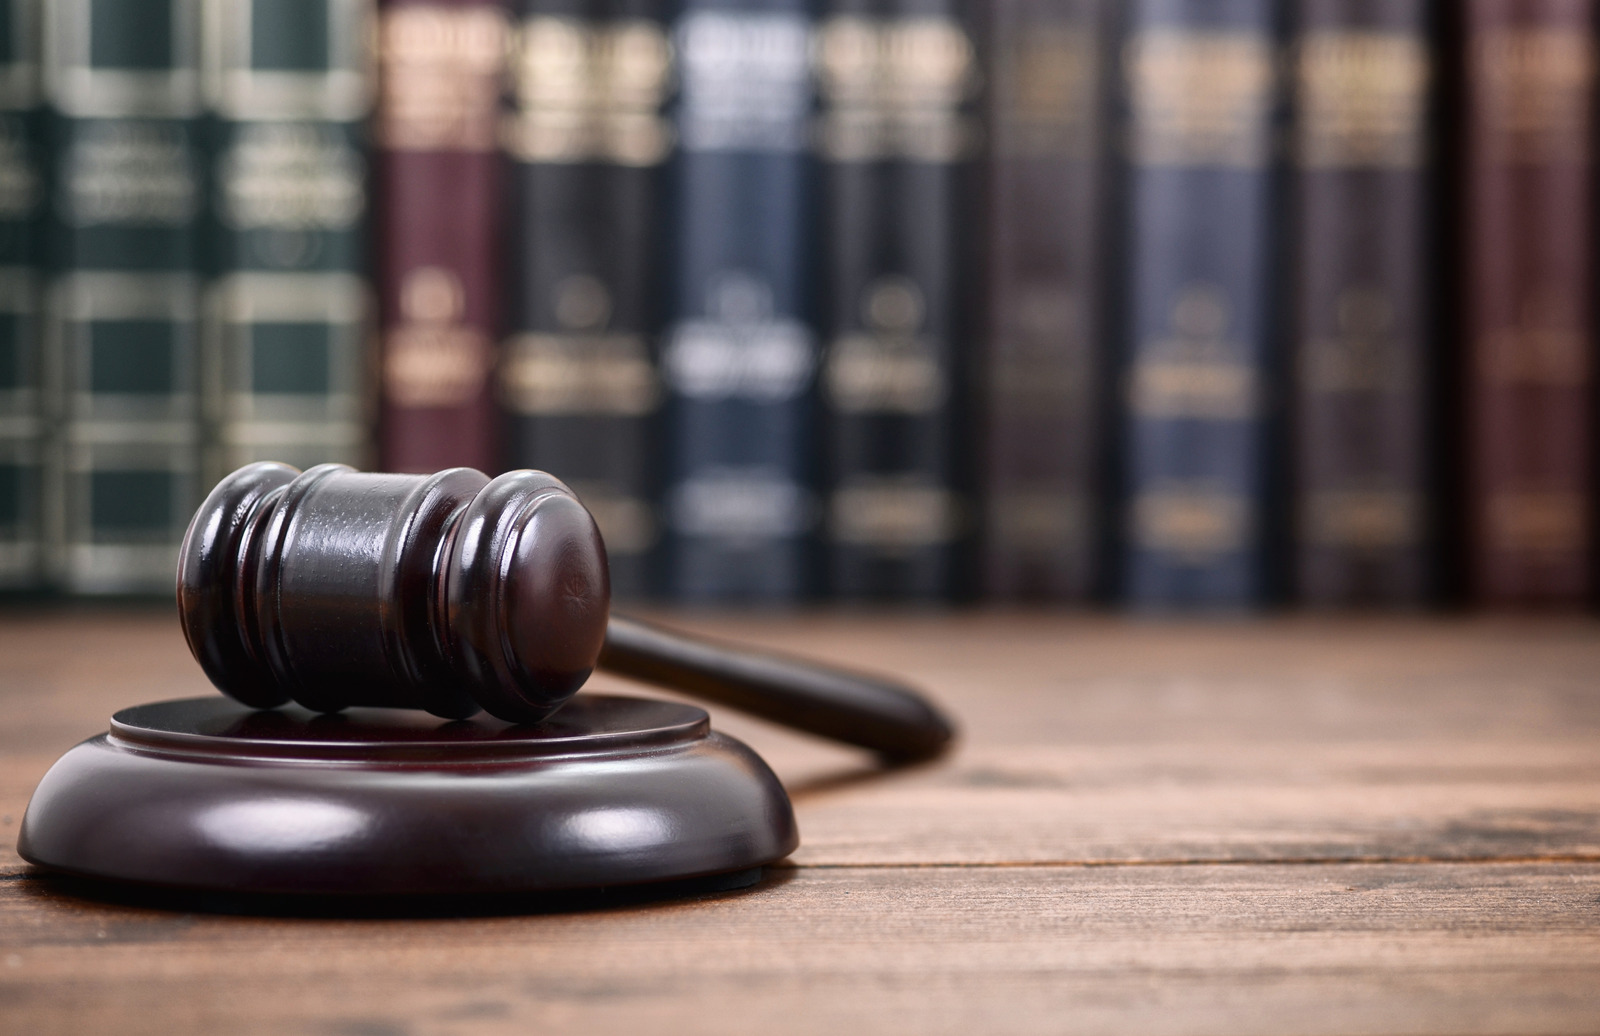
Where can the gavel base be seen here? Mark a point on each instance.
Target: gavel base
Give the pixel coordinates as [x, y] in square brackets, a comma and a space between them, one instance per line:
[203, 794]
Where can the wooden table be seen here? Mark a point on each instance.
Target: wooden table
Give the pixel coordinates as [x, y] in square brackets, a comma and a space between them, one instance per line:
[1329, 826]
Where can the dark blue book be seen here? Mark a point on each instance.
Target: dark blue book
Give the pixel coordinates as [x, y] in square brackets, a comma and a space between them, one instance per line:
[21, 190]
[587, 138]
[739, 355]
[287, 322]
[1200, 82]
[122, 88]
[895, 80]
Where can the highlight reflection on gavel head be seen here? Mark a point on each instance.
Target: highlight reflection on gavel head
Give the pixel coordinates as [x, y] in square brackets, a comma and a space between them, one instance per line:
[448, 592]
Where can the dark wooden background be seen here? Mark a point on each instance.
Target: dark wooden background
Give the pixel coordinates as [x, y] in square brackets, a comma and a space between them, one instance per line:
[1296, 825]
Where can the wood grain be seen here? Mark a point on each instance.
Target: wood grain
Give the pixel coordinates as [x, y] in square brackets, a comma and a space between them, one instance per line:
[1344, 948]
[1148, 827]
[1360, 801]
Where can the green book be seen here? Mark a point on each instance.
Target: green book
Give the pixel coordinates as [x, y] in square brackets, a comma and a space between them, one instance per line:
[21, 430]
[122, 89]
[286, 324]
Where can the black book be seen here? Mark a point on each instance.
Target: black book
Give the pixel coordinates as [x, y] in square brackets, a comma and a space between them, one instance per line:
[586, 138]
[1361, 276]
[894, 135]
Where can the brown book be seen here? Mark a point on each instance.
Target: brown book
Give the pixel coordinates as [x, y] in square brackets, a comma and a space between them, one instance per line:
[440, 68]
[1529, 280]
[1359, 268]
[1042, 322]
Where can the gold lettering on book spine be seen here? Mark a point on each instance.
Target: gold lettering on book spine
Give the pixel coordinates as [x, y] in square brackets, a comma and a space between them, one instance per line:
[1040, 366]
[20, 182]
[1197, 371]
[1194, 523]
[1538, 522]
[894, 513]
[290, 176]
[544, 374]
[587, 92]
[627, 523]
[1045, 93]
[890, 367]
[432, 359]
[440, 75]
[1368, 519]
[1548, 346]
[1363, 356]
[894, 88]
[1043, 519]
[1360, 99]
[1535, 92]
[583, 368]
[1200, 98]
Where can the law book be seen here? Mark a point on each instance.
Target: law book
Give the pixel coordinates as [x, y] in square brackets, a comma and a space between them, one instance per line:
[1361, 326]
[1528, 295]
[739, 355]
[1200, 82]
[1044, 322]
[122, 88]
[21, 191]
[437, 217]
[894, 136]
[285, 370]
[587, 138]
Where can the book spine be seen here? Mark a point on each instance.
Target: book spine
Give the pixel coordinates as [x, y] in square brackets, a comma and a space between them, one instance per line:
[122, 86]
[1529, 280]
[1200, 81]
[21, 191]
[1043, 320]
[437, 180]
[893, 79]
[587, 138]
[740, 356]
[1361, 328]
[285, 326]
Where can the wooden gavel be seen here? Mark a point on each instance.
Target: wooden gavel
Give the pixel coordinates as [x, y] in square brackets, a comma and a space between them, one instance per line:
[455, 592]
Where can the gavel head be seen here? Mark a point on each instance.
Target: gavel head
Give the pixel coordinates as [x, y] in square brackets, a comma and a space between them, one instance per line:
[449, 592]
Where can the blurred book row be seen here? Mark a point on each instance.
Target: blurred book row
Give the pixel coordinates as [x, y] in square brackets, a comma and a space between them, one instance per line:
[1169, 303]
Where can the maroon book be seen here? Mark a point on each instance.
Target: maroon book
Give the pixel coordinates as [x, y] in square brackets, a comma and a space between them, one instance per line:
[1042, 322]
[1529, 317]
[437, 182]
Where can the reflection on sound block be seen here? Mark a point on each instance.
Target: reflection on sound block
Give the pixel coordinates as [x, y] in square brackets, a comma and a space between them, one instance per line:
[206, 795]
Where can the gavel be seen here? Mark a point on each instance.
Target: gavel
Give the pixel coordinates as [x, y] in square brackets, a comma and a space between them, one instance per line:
[456, 593]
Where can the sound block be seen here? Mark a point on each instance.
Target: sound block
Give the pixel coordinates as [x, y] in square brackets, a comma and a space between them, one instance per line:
[207, 795]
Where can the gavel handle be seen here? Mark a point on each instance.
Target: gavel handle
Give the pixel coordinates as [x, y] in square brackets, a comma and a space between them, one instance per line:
[868, 711]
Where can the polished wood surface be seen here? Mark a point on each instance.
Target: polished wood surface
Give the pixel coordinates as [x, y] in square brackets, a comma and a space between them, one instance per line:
[1288, 825]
